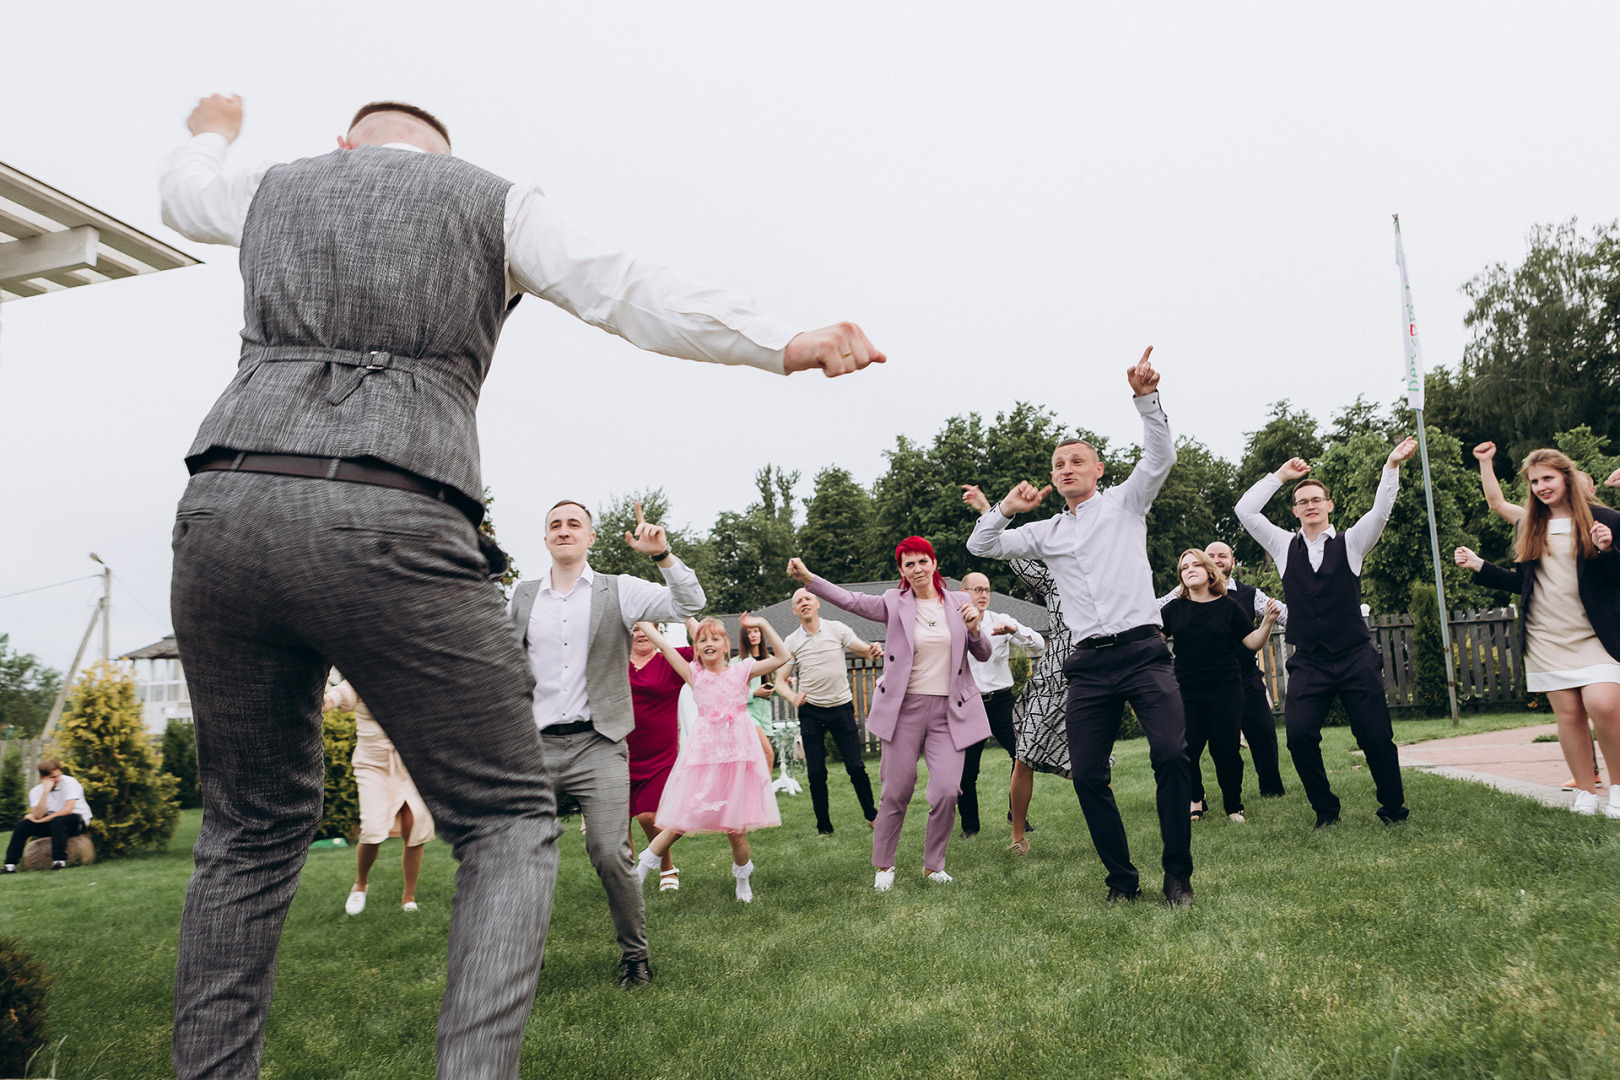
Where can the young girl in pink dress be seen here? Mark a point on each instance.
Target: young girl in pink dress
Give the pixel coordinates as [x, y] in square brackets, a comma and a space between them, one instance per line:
[720, 781]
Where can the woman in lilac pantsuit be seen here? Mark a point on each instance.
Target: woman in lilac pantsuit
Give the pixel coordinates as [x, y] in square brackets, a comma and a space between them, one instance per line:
[925, 705]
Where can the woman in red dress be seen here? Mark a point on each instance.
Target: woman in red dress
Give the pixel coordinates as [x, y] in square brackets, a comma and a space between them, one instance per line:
[655, 694]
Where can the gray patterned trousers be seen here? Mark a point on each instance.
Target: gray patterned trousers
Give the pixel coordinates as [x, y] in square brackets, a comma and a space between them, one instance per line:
[275, 579]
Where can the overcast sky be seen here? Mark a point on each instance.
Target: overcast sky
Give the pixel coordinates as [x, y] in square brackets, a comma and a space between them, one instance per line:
[1011, 199]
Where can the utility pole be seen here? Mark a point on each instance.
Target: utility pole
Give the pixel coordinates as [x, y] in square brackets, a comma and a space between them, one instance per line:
[106, 609]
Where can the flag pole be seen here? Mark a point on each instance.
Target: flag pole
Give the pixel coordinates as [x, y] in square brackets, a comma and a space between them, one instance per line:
[1414, 398]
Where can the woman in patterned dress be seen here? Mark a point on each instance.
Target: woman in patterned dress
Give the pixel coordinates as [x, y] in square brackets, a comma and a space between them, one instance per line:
[1043, 739]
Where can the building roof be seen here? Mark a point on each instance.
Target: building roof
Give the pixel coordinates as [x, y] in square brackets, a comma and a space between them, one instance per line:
[780, 615]
[158, 650]
[50, 241]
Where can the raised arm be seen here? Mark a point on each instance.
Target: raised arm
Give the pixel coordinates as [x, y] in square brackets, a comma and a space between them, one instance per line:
[657, 309]
[1260, 602]
[867, 607]
[1251, 509]
[1268, 618]
[1489, 574]
[1158, 445]
[201, 201]
[780, 657]
[1484, 453]
[1360, 537]
[679, 597]
[671, 653]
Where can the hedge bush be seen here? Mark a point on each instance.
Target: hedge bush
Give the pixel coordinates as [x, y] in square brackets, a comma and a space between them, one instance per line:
[104, 746]
[24, 983]
[180, 761]
[13, 785]
[341, 818]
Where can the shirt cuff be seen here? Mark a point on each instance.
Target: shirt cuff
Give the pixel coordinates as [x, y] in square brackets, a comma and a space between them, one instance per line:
[1147, 404]
[212, 142]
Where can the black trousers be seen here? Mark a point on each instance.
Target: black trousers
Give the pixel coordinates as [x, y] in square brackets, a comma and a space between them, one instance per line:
[1356, 677]
[1101, 681]
[1260, 729]
[57, 828]
[1213, 718]
[814, 722]
[999, 707]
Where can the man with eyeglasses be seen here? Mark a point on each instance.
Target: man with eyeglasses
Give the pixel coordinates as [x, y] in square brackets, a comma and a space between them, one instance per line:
[1333, 651]
[994, 679]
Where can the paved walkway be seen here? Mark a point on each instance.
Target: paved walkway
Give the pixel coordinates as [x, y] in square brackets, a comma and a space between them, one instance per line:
[1509, 760]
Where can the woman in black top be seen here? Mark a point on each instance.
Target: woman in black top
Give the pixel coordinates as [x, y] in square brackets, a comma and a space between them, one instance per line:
[1208, 628]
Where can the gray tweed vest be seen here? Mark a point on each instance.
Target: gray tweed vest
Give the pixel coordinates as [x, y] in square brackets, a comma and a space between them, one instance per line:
[374, 285]
[607, 663]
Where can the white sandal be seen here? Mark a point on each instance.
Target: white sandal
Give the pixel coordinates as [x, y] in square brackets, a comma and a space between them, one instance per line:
[669, 880]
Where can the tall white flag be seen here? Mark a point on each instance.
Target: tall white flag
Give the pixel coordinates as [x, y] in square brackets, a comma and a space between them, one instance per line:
[1412, 375]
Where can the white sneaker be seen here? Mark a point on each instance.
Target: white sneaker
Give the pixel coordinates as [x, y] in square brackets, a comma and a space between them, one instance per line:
[1613, 809]
[884, 880]
[646, 864]
[745, 892]
[1586, 802]
[356, 903]
[939, 877]
[1239, 818]
[409, 905]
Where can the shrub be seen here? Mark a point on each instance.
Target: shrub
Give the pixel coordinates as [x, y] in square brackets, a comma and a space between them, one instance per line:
[180, 761]
[13, 785]
[24, 983]
[342, 807]
[1428, 653]
[105, 747]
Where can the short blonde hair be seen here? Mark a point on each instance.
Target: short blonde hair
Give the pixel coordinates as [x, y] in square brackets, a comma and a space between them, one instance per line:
[1217, 580]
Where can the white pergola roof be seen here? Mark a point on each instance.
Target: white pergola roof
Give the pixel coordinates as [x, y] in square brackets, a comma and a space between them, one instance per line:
[50, 241]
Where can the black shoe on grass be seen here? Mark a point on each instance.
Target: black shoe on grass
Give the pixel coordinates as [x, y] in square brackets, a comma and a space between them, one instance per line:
[634, 973]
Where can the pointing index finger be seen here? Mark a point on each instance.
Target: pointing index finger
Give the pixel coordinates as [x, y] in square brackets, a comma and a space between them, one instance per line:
[639, 519]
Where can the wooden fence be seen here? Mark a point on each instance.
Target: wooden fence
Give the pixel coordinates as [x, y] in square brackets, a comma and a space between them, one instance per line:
[1484, 648]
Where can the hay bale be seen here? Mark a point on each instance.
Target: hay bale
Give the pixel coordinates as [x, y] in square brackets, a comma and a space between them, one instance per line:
[37, 855]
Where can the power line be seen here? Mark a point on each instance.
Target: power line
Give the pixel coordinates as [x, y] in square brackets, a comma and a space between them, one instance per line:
[124, 584]
[42, 588]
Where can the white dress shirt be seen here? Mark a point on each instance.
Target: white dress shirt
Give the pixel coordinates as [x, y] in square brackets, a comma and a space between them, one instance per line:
[66, 788]
[996, 673]
[1097, 552]
[560, 633]
[651, 307]
[1260, 599]
[1358, 538]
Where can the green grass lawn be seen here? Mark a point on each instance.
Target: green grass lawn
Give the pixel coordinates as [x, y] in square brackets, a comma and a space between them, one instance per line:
[1479, 938]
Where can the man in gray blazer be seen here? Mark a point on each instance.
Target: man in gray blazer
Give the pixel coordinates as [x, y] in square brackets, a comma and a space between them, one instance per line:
[576, 626]
[331, 520]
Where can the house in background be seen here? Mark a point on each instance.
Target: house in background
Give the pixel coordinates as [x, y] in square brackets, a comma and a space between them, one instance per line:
[160, 684]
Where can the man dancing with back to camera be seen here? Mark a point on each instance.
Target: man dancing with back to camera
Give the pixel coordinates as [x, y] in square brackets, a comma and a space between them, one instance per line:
[331, 519]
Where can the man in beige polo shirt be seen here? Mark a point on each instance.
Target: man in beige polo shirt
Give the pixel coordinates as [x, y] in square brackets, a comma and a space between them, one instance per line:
[825, 703]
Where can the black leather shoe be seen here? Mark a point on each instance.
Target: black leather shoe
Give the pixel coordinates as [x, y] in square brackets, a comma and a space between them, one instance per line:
[1392, 817]
[969, 835]
[634, 973]
[1324, 820]
[824, 832]
[1029, 826]
[1120, 896]
[1178, 892]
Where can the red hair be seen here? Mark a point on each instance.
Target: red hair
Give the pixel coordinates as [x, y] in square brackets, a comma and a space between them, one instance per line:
[916, 545]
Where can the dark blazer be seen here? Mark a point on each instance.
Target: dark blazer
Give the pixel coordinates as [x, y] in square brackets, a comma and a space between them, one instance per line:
[897, 610]
[1598, 579]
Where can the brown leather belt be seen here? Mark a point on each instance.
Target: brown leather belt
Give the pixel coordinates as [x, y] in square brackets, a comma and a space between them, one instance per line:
[350, 470]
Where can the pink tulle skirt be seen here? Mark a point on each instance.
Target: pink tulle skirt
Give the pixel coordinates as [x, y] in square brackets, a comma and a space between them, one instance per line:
[721, 796]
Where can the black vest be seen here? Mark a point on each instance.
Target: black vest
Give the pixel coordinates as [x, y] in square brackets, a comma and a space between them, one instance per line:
[1324, 606]
[1244, 595]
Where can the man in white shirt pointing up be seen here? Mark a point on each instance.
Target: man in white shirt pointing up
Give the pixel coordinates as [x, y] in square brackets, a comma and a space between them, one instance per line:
[331, 520]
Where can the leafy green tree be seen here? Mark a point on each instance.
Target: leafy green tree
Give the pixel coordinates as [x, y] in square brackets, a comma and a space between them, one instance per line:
[1545, 352]
[28, 689]
[612, 555]
[179, 753]
[13, 785]
[748, 552]
[105, 747]
[1192, 509]
[835, 539]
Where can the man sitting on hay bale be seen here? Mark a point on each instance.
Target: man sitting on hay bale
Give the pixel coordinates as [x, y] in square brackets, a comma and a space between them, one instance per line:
[56, 808]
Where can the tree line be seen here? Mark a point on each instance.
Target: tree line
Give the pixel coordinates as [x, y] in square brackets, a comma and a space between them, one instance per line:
[1542, 369]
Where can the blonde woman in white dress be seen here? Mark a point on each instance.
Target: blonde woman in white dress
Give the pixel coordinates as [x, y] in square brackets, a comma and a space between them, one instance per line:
[389, 802]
